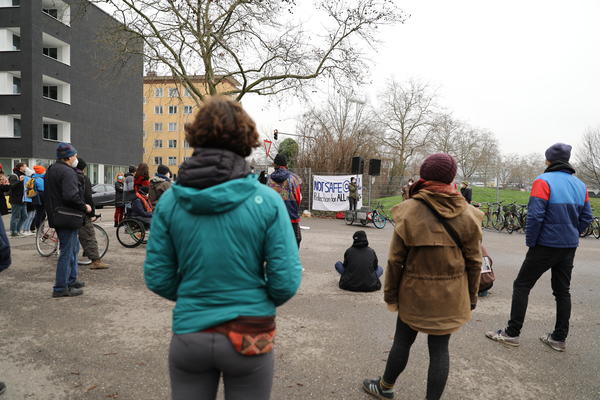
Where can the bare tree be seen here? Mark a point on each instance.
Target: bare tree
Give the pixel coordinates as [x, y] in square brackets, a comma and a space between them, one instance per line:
[333, 134]
[488, 157]
[588, 157]
[258, 43]
[408, 117]
[446, 132]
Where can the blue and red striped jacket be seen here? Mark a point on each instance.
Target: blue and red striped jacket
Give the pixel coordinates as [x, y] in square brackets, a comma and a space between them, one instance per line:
[559, 209]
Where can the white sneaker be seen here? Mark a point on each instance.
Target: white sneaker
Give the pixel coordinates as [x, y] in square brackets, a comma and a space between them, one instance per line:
[26, 233]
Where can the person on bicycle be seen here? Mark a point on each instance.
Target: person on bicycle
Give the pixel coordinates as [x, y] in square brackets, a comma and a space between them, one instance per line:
[65, 207]
[141, 209]
[557, 213]
[359, 271]
[222, 247]
[87, 233]
[432, 275]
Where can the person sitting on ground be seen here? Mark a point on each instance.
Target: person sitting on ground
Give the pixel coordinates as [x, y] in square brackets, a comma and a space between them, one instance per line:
[160, 183]
[141, 209]
[466, 191]
[359, 271]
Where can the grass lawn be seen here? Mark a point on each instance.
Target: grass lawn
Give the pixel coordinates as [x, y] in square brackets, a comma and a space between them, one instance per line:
[483, 195]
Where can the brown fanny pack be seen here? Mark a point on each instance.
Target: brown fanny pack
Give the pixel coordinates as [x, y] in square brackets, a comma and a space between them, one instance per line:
[249, 336]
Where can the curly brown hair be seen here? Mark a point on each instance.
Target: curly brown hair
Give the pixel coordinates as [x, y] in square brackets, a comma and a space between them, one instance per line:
[222, 123]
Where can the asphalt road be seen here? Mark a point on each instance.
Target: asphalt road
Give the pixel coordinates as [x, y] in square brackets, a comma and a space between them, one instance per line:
[112, 342]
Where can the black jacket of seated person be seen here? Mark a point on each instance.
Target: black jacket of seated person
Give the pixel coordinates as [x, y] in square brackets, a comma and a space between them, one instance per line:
[360, 266]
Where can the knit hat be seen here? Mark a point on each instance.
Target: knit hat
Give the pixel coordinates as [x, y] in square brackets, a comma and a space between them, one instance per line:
[360, 239]
[280, 160]
[439, 167]
[163, 169]
[559, 151]
[65, 150]
[39, 169]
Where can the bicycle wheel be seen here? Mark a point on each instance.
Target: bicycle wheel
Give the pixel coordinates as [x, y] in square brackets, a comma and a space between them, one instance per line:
[46, 240]
[349, 217]
[498, 221]
[596, 228]
[131, 233]
[101, 240]
[512, 223]
[379, 220]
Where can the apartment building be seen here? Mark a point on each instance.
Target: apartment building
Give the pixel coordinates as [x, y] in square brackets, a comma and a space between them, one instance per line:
[63, 80]
[167, 108]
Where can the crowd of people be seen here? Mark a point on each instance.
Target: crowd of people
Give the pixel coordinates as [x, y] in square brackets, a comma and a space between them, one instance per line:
[224, 246]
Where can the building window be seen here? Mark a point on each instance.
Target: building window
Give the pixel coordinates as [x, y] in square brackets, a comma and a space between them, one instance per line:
[188, 93]
[158, 110]
[172, 109]
[173, 143]
[186, 158]
[172, 126]
[145, 100]
[16, 42]
[143, 116]
[172, 160]
[157, 160]
[187, 109]
[16, 3]
[158, 92]
[17, 127]
[51, 52]
[157, 143]
[158, 127]
[173, 92]
[186, 145]
[53, 12]
[51, 92]
[16, 85]
[51, 131]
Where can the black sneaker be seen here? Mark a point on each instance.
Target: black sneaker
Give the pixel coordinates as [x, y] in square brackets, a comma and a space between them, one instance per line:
[373, 387]
[77, 285]
[68, 293]
[2, 388]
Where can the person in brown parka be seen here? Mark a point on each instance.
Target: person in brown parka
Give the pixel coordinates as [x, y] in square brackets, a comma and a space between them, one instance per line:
[432, 279]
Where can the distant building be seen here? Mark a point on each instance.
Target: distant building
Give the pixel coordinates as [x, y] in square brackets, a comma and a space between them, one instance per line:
[62, 79]
[168, 106]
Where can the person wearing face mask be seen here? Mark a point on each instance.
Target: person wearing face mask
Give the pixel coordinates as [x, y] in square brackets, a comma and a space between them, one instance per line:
[160, 183]
[15, 198]
[66, 209]
[119, 200]
[28, 182]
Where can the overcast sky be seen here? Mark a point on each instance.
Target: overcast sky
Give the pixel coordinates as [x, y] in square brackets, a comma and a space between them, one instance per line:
[527, 70]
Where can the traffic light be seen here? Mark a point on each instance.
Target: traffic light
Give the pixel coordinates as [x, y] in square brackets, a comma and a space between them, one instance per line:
[275, 134]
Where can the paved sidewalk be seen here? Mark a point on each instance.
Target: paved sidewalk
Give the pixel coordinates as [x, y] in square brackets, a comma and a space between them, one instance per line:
[112, 342]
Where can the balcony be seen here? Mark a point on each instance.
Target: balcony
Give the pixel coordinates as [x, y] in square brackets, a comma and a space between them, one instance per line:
[10, 126]
[57, 90]
[10, 83]
[56, 49]
[10, 39]
[56, 130]
[57, 9]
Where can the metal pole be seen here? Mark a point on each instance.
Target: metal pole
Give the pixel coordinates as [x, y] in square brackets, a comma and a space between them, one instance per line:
[370, 182]
[310, 190]
[497, 182]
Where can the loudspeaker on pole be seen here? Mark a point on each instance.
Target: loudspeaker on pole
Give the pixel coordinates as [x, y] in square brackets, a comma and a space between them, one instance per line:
[358, 165]
[374, 167]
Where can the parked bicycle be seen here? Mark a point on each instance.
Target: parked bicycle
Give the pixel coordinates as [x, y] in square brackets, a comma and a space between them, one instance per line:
[46, 241]
[377, 216]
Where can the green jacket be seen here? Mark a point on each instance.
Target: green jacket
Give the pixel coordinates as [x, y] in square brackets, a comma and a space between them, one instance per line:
[353, 191]
[222, 252]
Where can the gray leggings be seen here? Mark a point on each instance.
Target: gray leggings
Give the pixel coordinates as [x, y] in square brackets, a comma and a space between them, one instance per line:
[197, 360]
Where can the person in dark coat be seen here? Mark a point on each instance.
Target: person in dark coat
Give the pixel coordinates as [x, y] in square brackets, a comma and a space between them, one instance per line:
[141, 209]
[4, 188]
[359, 271]
[15, 198]
[4, 263]
[119, 196]
[87, 233]
[65, 194]
[466, 191]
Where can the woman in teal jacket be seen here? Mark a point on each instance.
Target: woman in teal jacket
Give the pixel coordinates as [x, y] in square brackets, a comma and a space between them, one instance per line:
[221, 246]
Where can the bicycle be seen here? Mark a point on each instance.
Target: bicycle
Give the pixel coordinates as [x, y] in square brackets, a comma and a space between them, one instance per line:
[376, 215]
[46, 241]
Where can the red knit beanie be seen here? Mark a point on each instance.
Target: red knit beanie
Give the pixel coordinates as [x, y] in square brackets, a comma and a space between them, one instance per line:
[439, 167]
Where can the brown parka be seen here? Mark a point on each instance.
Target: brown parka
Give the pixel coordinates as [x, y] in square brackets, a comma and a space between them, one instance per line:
[430, 280]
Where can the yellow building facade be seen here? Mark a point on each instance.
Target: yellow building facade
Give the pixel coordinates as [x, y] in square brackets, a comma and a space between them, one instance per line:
[168, 106]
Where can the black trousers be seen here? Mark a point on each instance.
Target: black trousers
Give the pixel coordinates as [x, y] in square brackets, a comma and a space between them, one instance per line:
[353, 203]
[296, 226]
[538, 260]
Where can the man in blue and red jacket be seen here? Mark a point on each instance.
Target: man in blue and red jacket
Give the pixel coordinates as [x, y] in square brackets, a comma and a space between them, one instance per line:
[558, 211]
[287, 184]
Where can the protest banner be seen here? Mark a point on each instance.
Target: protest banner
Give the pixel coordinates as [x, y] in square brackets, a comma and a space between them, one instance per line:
[330, 193]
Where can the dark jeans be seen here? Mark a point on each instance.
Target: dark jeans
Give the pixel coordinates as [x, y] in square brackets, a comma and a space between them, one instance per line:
[296, 226]
[339, 267]
[439, 359]
[197, 360]
[538, 260]
[353, 203]
[17, 217]
[66, 268]
[40, 214]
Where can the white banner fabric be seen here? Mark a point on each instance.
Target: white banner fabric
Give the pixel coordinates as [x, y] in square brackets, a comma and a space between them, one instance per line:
[330, 193]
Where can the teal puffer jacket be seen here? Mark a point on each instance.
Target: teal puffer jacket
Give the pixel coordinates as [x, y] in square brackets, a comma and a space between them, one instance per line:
[222, 252]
